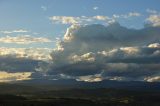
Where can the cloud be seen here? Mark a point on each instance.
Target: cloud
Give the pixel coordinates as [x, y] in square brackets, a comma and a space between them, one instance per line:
[128, 15]
[153, 79]
[96, 52]
[98, 17]
[139, 55]
[122, 62]
[95, 8]
[44, 8]
[27, 53]
[65, 19]
[23, 59]
[7, 77]
[90, 78]
[24, 39]
[92, 19]
[92, 53]
[133, 14]
[113, 35]
[154, 20]
[14, 31]
[151, 11]
[154, 45]
[13, 64]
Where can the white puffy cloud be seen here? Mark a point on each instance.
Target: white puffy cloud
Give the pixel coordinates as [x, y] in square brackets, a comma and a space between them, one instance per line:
[8, 77]
[24, 39]
[154, 20]
[154, 45]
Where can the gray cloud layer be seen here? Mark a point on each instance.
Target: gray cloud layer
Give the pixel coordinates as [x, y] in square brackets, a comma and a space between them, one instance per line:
[13, 64]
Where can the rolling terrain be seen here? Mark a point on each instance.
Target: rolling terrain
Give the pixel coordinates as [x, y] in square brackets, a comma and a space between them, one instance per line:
[71, 93]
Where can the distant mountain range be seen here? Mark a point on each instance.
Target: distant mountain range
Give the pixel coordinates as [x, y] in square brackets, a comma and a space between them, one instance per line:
[70, 83]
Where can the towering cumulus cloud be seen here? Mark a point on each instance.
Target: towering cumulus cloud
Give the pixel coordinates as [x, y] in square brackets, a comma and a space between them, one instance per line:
[96, 52]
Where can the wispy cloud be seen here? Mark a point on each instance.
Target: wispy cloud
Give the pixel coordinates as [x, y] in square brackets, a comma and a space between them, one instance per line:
[95, 8]
[100, 17]
[44, 8]
[92, 19]
[14, 31]
[128, 15]
[18, 76]
[24, 39]
[28, 53]
[65, 19]
[79, 20]
[151, 11]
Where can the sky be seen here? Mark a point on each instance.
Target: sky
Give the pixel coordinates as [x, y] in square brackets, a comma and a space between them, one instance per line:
[85, 40]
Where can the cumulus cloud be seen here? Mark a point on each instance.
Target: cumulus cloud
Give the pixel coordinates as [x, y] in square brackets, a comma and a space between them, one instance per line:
[127, 62]
[154, 20]
[24, 39]
[154, 45]
[96, 52]
[83, 38]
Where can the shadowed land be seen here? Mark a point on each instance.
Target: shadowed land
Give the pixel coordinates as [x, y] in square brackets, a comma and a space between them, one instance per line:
[50, 95]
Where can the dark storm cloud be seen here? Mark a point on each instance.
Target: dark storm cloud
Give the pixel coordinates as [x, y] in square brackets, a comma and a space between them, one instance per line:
[145, 55]
[13, 64]
[93, 38]
[82, 69]
[112, 51]
[130, 70]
